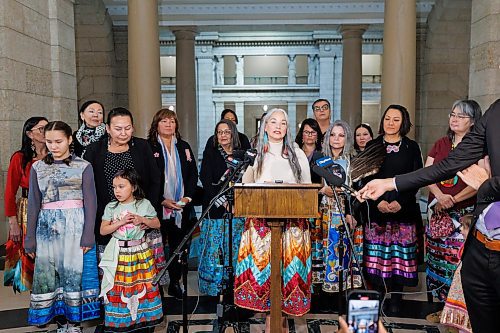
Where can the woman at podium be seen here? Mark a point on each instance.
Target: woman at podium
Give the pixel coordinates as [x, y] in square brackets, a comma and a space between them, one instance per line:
[279, 160]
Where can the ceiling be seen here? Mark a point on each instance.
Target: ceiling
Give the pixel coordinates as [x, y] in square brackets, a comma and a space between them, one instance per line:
[265, 15]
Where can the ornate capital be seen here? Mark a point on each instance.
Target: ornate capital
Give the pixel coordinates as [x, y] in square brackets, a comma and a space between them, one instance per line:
[352, 30]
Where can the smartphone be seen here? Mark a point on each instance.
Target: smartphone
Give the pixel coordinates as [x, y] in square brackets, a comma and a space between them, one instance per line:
[363, 308]
[180, 203]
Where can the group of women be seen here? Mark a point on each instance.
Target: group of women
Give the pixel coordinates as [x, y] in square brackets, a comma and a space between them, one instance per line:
[74, 188]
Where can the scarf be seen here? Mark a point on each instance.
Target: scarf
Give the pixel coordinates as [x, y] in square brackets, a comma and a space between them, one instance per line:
[173, 188]
[86, 135]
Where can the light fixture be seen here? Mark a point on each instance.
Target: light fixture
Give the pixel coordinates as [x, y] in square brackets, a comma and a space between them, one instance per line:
[265, 107]
[171, 108]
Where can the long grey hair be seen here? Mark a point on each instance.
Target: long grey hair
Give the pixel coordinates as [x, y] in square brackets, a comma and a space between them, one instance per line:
[349, 140]
[287, 150]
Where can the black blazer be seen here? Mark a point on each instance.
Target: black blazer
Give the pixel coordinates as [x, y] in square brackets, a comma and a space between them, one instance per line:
[482, 140]
[144, 164]
[189, 172]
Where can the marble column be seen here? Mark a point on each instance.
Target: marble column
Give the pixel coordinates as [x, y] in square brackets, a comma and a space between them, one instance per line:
[352, 40]
[185, 89]
[399, 59]
[240, 70]
[240, 112]
[205, 96]
[292, 118]
[144, 87]
[292, 69]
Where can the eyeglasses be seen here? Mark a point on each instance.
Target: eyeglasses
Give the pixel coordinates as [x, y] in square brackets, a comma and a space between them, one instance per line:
[459, 116]
[39, 129]
[226, 132]
[323, 107]
[310, 133]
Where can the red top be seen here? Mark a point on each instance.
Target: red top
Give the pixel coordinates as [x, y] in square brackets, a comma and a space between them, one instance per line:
[452, 186]
[15, 177]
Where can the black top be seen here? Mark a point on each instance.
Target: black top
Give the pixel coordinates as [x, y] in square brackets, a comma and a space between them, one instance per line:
[113, 163]
[189, 172]
[213, 167]
[144, 164]
[408, 158]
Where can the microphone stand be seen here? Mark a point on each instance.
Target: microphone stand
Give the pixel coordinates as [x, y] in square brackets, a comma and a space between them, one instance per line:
[180, 253]
[344, 231]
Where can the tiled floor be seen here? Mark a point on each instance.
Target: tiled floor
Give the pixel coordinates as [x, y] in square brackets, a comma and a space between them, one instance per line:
[411, 317]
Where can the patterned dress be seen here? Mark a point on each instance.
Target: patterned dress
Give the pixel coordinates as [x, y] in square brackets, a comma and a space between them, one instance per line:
[253, 269]
[65, 280]
[329, 249]
[131, 300]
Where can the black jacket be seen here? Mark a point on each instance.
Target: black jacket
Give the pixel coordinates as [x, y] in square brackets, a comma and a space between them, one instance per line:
[189, 171]
[144, 164]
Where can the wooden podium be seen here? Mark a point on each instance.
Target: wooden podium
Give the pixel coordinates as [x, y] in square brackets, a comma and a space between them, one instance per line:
[276, 203]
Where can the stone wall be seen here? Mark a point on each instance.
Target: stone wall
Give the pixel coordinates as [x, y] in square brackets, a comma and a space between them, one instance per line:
[445, 68]
[100, 55]
[37, 71]
[484, 81]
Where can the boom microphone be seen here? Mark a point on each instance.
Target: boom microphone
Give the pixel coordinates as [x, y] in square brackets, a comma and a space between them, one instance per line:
[331, 179]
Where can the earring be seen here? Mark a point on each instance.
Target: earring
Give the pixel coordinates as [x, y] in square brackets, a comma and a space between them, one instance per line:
[33, 148]
[285, 147]
[266, 143]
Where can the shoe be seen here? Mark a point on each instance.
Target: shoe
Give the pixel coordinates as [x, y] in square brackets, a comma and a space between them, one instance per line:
[434, 317]
[61, 329]
[175, 290]
[74, 329]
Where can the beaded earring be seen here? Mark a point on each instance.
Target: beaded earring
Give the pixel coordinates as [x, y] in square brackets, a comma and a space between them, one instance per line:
[285, 146]
[266, 143]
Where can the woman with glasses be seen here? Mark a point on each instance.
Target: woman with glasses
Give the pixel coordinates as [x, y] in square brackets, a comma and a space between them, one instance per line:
[92, 127]
[214, 229]
[18, 266]
[309, 139]
[394, 232]
[322, 113]
[451, 198]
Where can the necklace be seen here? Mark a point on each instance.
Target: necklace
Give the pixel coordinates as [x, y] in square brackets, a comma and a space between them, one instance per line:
[392, 148]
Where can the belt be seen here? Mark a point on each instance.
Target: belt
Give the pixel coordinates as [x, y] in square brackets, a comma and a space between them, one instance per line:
[64, 204]
[132, 242]
[490, 244]
[24, 192]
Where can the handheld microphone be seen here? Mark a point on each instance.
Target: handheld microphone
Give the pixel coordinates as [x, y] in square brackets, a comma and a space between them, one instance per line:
[331, 179]
[324, 161]
[232, 164]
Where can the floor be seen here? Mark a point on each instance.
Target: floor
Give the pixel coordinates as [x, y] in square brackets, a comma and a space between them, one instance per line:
[203, 318]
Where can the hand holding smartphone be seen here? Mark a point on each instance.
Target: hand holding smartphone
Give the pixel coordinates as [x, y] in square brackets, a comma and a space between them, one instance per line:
[180, 203]
[363, 308]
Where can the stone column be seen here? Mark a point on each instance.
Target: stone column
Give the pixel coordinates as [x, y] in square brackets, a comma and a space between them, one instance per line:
[352, 40]
[484, 80]
[143, 63]
[240, 70]
[240, 112]
[205, 96]
[185, 89]
[292, 69]
[292, 118]
[399, 59]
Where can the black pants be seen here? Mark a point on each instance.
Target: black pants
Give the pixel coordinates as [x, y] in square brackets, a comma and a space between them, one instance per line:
[175, 235]
[481, 285]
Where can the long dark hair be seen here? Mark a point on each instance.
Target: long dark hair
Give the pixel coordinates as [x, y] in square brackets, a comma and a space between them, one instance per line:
[66, 129]
[86, 105]
[26, 149]
[159, 116]
[133, 177]
[315, 127]
[362, 125]
[235, 139]
[405, 120]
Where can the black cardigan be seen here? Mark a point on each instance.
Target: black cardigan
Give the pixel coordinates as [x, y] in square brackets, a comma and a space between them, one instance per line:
[213, 167]
[189, 172]
[144, 164]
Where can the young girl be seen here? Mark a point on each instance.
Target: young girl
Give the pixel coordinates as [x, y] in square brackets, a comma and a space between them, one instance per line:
[131, 300]
[60, 233]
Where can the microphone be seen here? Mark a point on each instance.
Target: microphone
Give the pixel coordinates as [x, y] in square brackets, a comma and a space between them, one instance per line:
[324, 161]
[232, 164]
[331, 179]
